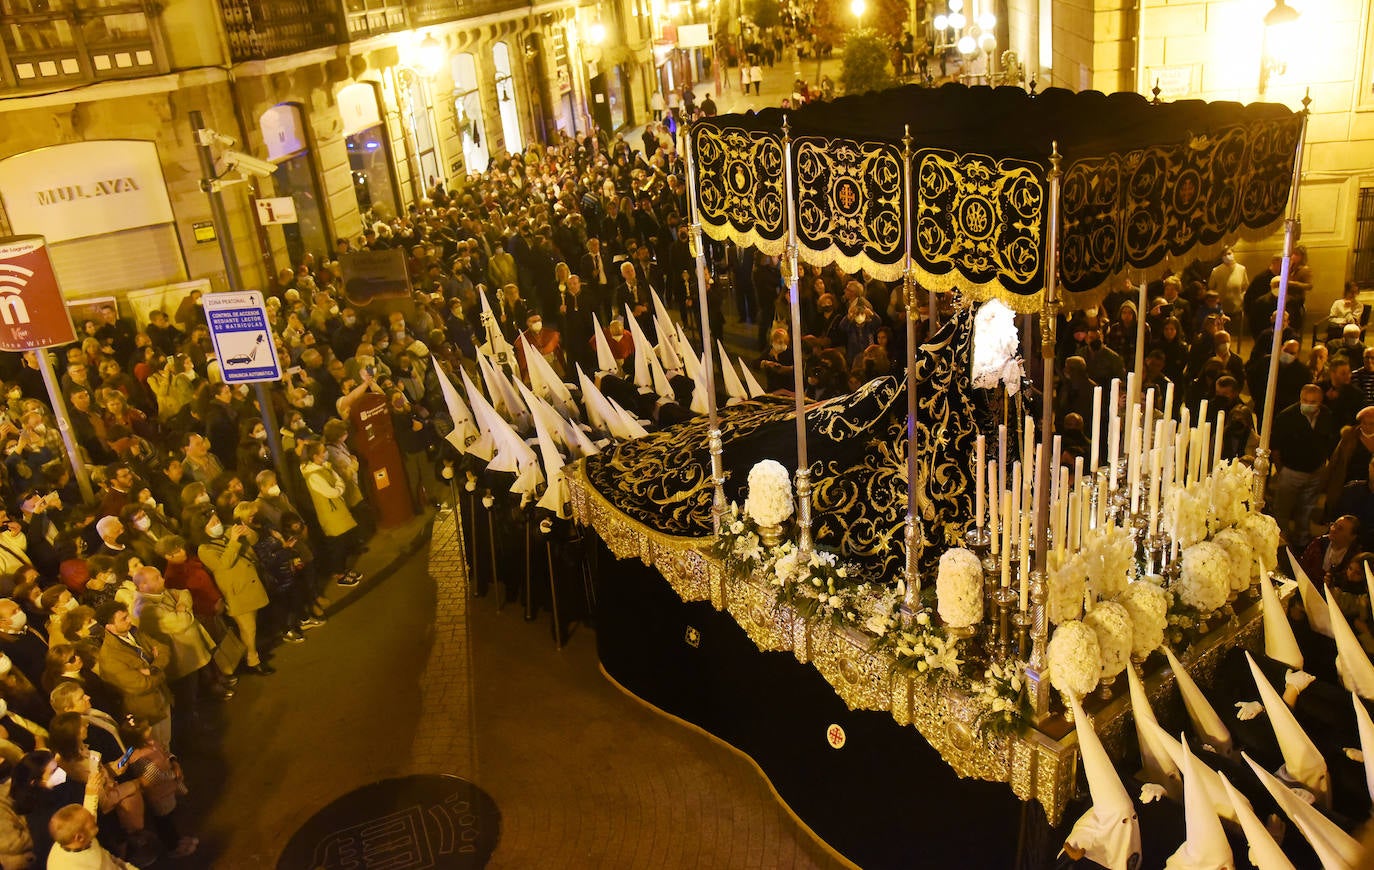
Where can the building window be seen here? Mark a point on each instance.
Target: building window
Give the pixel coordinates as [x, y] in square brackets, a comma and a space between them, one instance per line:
[1364, 239]
[467, 106]
[369, 152]
[288, 145]
[506, 99]
[420, 118]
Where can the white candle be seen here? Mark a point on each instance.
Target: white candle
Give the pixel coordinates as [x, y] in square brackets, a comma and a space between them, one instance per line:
[1074, 515]
[1204, 451]
[1040, 491]
[1025, 559]
[1007, 526]
[1169, 401]
[1077, 469]
[1167, 474]
[1061, 512]
[1002, 457]
[994, 503]
[1096, 430]
[1217, 433]
[1154, 491]
[1055, 453]
[1132, 455]
[1112, 452]
[978, 485]
[1113, 413]
[1181, 459]
[1147, 416]
[1132, 389]
[1027, 457]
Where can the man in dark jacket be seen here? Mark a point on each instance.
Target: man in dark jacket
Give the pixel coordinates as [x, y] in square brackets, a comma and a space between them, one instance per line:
[1304, 436]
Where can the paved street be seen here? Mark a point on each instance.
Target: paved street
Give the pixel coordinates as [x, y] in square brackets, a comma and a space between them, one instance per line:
[411, 676]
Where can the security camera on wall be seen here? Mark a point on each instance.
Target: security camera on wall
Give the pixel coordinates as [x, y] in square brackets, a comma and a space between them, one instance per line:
[245, 164]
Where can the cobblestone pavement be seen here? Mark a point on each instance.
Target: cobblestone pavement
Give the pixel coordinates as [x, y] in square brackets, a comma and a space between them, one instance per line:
[412, 676]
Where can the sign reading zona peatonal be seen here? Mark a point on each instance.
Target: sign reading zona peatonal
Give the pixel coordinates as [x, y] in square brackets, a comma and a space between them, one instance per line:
[242, 338]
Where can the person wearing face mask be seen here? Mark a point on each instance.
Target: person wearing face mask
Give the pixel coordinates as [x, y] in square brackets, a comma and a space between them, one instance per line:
[38, 789]
[1339, 394]
[271, 502]
[547, 342]
[41, 533]
[1305, 435]
[228, 555]
[776, 363]
[622, 344]
[253, 455]
[142, 528]
[328, 494]
[1229, 280]
[1104, 364]
[23, 646]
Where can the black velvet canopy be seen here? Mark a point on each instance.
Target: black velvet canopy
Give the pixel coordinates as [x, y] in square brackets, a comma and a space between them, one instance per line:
[1142, 183]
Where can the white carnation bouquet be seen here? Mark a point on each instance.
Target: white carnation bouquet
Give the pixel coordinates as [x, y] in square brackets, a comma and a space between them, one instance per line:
[959, 588]
[1110, 555]
[1147, 603]
[1232, 484]
[1205, 580]
[769, 502]
[1000, 690]
[924, 649]
[996, 345]
[1067, 585]
[1238, 553]
[1186, 514]
[1111, 622]
[1263, 532]
[1074, 658]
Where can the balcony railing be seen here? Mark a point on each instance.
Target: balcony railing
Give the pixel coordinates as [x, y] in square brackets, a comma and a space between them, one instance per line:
[426, 12]
[371, 17]
[259, 29]
[57, 43]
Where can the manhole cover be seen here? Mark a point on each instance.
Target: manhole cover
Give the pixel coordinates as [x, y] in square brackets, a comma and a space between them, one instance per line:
[408, 823]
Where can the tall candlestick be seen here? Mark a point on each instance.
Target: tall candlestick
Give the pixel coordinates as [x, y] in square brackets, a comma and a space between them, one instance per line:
[1096, 431]
[1217, 433]
[978, 487]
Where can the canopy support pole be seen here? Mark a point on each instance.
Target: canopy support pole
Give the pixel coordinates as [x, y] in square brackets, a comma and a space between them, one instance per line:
[1290, 227]
[1037, 682]
[708, 365]
[791, 275]
[912, 600]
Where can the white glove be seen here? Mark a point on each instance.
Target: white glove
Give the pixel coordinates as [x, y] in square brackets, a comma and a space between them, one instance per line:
[1151, 792]
[1354, 755]
[1305, 796]
[1298, 680]
[1247, 710]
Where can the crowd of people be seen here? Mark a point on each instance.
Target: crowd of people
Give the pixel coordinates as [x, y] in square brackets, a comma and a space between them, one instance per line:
[200, 552]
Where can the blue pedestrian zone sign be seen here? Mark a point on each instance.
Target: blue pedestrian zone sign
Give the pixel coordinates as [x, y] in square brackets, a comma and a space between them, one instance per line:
[242, 337]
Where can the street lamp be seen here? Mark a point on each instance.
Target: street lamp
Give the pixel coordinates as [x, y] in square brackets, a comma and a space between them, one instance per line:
[429, 55]
[1278, 38]
[858, 7]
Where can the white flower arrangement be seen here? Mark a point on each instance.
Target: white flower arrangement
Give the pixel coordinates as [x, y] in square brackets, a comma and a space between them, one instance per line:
[1232, 484]
[1112, 624]
[1000, 690]
[1148, 606]
[769, 502]
[1206, 577]
[738, 545]
[1186, 514]
[1238, 554]
[1074, 659]
[996, 345]
[1111, 560]
[959, 588]
[881, 613]
[1067, 585]
[924, 649]
[1263, 532]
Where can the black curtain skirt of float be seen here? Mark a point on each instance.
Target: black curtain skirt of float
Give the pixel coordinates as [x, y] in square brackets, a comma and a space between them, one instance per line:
[884, 800]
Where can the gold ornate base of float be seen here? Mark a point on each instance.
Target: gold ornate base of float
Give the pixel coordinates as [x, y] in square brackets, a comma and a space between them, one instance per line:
[1039, 764]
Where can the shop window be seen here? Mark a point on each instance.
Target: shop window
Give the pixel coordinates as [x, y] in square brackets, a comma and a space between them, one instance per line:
[506, 99]
[467, 105]
[369, 153]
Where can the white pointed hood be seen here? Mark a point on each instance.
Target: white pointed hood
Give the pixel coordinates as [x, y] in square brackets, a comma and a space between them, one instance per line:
[1366, 741]
[1206, 723]
[631, 425]
[1157, 764]
[605, 359]
[750, 382]
[662, 388]
[1205, 847]
[486, 417]
[1302, 761]
[1279, 642]
[667, 354]
[1369, 582]
[1312, 601]
[1221, 804]
[643, 353]
[496, 343]
[465, 429]
[1357, 674]
[1336, 849]
[1109, 832]
[556, 495]
[1265, 854]
[503, 394]
[733, 388]
[599, 411]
